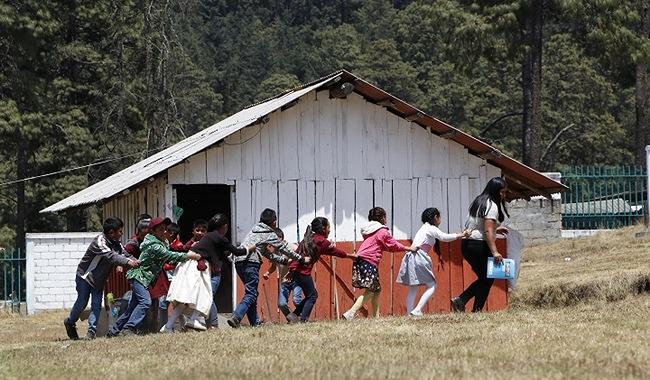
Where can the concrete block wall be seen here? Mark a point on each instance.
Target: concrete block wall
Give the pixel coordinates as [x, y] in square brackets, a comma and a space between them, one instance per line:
[539, 220]
[52, 260]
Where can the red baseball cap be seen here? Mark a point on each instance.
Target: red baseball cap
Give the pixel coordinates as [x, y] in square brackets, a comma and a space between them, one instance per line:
[156, 221]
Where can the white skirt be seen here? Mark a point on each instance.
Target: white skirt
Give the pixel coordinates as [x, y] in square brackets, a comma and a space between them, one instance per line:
[191, 286]
[416, 269]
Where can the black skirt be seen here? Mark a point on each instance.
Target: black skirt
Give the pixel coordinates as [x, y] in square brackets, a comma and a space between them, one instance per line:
[365, 276]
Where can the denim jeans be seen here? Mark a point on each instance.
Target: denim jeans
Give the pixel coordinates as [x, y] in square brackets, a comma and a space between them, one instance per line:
[306, 282]
[283, 296]
[136, 311]
[84, 292]
[214, 319]
[249, 273]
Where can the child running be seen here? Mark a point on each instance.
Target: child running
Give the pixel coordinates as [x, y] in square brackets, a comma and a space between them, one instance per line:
[313, 245]
[102, 255]
[262, 235]
[365, 272]
[417, 268]
[154, 253]
[287, 286]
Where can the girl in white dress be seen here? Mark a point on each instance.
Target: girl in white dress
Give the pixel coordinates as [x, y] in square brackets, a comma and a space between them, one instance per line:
[417, 268]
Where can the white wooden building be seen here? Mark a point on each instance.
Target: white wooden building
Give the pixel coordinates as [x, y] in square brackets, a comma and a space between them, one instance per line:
[316, 151]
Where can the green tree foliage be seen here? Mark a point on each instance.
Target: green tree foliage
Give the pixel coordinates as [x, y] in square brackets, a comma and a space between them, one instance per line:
[82, 82]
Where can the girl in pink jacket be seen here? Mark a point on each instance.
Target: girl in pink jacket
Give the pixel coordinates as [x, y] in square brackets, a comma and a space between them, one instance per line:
[365, 274]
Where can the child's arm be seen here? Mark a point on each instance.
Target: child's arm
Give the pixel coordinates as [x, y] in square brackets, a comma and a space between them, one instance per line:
[271, 270]
[328, 248]
[392, 245]
[283, 247]
[442, 236]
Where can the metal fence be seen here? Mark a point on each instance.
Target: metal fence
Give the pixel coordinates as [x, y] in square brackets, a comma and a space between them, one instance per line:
[12, 283]
[603, 197]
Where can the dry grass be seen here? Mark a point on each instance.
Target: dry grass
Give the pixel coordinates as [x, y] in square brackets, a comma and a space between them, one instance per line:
[609, 266]
[605, 337]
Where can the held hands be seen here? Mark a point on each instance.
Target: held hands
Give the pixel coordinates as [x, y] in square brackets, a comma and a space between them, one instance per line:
[465, 234]
[307, 259]
[498, 258]
[502, 230]
[412, 249]
[193, 256]
[352, 256]
[132, 263]
[251, 248]
[266, 275]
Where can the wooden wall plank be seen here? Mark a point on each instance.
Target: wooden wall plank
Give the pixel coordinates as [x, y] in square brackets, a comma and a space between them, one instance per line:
[344, 211]
[350, 140]
[325, 199]
[375, 142]
[288, 144]
[233, 156]
[455, 209]
[421, 142]
[250, 151]
[287, 210]
[363, 203]
[439, 157]
[398, 148]
[306, 205]
[195, 169]
[306, 129]
[176, 174]
[243, 211]
[402, 209]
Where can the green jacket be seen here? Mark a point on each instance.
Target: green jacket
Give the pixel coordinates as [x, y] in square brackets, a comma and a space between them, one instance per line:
[153, 254]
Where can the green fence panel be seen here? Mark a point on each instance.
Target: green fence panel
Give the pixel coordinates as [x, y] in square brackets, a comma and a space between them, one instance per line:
[603, 197]
[13, 271]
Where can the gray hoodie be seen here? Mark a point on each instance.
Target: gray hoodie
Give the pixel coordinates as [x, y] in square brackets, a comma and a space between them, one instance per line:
[262, 235]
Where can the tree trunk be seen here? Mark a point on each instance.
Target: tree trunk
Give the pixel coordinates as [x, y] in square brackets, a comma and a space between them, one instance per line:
[21, 212]
[532, 83]
[641, 92]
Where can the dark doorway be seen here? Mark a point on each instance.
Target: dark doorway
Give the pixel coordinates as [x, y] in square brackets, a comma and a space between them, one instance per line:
[202, 202]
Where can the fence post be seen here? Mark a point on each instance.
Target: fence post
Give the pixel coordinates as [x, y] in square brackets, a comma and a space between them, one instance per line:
[646, 212]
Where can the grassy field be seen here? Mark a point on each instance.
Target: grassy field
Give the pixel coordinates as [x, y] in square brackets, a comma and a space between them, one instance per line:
[600, 329]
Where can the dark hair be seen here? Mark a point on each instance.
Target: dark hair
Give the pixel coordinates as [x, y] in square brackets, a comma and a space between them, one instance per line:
[268, 216]
[478, 208]
[376, 214]
[112, 223]
[307, 246]
[142, 221]
[173, 229]
[427, 217]
[216, 222]
[200, 223]
[280, 233]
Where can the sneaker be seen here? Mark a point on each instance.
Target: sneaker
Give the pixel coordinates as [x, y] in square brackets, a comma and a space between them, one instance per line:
[212, 328]
[233, 322]
[194, 324]
[165, 330]
[127, 332]
[457, 304]
[349, 315]
[416, 313]
[91, 335]
[70, 329]
[292, 318]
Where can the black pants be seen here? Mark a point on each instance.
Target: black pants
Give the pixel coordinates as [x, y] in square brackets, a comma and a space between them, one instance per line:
[476, 253]
[306, 283]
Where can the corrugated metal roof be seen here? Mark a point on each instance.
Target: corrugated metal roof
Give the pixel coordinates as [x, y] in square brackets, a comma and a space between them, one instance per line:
[524, 181]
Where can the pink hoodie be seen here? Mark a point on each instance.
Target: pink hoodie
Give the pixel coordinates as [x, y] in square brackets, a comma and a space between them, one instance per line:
[376, 240]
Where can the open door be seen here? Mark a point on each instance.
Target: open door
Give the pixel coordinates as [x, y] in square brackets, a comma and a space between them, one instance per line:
[202, 202]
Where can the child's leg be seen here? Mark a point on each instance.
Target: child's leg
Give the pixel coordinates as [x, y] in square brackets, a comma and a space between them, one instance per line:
[311, 295]
[297, 294]
[95, 308]
[83, 294]
[283, 295]
[361, 300]
[143, 301]
[250, 276]
[215, 281]
[162, 313]
[431, 288]
[375, 304]
[410, 298]
[121, 321]
[179, 308]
